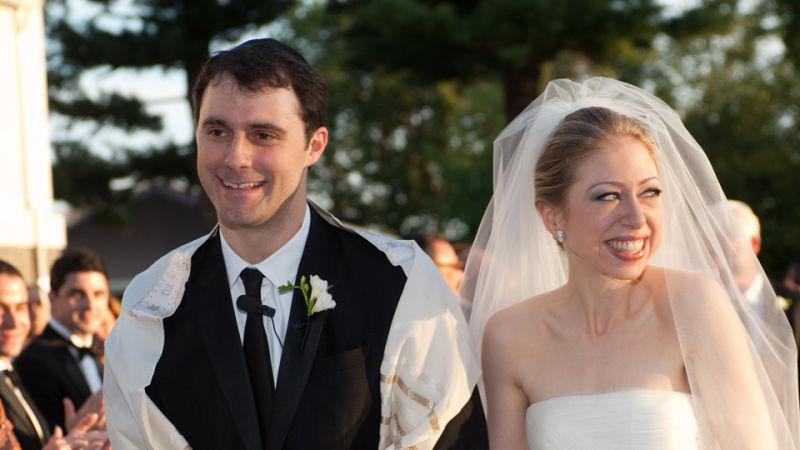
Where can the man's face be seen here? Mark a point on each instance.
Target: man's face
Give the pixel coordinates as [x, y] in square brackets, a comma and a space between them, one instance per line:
[16, 322]
[444, 256]
[79, 302]
[253, 153]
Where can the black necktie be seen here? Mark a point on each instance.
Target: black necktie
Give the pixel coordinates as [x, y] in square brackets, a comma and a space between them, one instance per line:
[256, 353]
[83, 351]
[12, 375]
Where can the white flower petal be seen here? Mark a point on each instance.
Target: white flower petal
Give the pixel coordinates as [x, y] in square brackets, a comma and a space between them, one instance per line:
[324, 301]
[319, 291]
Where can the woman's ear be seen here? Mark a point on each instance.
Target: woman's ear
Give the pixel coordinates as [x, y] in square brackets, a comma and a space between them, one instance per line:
[551, 215]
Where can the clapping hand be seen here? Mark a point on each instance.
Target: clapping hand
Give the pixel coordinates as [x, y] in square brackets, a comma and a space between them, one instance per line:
[92, 405]
[80, 438]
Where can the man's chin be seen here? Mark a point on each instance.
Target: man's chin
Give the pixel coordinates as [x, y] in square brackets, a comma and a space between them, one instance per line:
[10, 351]
[85, 329]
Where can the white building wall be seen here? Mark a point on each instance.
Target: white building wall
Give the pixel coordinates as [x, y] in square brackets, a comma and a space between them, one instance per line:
[27, 218]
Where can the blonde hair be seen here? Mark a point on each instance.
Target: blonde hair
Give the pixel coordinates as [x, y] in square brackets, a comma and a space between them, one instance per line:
[748, 220]
[581, 133]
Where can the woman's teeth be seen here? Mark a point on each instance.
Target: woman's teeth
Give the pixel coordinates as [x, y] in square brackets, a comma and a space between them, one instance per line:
[626, 246]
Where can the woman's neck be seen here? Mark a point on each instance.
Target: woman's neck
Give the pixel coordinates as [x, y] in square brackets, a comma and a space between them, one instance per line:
[604, 302]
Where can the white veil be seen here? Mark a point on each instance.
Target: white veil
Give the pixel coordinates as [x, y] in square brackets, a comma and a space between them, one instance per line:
[514, 258]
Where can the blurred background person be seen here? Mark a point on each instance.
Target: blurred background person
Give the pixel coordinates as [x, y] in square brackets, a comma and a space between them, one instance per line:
[746, 265]
[444, 256]
[788, 288]
[60, 363]
[30, 427]
[108, 317]
[39, 305]
[462, 250]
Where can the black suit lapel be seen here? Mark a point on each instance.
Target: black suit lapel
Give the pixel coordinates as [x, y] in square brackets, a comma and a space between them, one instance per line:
[320, 257]
[75, 377]
[12, 404]
[209, 292]
[19, 416]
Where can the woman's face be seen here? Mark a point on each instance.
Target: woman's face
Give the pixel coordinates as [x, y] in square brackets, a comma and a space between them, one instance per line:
[612, 218]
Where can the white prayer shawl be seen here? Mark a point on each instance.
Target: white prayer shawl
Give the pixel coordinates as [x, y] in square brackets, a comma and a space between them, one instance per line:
[428, 371]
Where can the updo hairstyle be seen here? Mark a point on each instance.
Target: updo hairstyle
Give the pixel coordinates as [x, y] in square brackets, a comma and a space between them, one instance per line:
[581, 133]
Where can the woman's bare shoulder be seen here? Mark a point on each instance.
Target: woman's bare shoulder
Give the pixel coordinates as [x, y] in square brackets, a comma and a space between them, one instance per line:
[697, 299]
[694, 289]
[512, 330]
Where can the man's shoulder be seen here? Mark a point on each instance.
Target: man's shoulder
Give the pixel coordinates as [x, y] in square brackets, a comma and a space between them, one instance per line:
[374, 250]
[164, 279]
[373, 245]
[41, 350]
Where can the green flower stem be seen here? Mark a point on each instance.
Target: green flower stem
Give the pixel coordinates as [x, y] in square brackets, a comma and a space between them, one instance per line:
[304, 287]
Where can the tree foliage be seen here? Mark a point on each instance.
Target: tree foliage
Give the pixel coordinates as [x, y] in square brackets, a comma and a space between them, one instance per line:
[420, 88]
[511, 40]
[168, 35]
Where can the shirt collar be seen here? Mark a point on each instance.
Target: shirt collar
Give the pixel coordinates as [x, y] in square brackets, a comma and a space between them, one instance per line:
[752, 293]
[77, 341]
[278, 267]
[5, 364]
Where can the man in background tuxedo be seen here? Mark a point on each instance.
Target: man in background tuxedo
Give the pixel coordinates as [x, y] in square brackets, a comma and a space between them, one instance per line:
[219, 347]
[59, 363]
[30, 427]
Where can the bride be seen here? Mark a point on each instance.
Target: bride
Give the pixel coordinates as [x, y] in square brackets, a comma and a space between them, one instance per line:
[603, 287]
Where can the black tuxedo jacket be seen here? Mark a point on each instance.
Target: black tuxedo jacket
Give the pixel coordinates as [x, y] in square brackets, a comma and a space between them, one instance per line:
[15, 412]
[50, 373]
[328, 394]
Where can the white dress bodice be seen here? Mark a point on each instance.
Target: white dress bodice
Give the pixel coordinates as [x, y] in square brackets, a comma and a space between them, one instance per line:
[626, 419]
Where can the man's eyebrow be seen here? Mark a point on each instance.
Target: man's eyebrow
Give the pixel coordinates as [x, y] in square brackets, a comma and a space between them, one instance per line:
[267, 126]
[255, 125]
[214, 121]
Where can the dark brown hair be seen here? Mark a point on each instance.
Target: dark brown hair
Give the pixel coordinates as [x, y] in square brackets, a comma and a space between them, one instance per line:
[71, 261]
[261, 64]
[581, 133]
[7, 269]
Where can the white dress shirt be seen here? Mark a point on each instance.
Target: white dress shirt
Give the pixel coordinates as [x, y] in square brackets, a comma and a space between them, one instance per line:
[87, 364]
[753, 292]
[278, 269]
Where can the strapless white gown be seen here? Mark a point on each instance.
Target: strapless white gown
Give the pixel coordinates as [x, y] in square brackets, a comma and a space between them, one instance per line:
[628, 419]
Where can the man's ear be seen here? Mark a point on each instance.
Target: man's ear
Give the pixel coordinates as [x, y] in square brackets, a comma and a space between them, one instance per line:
[551, 215]
[755, 242]
[316, 145]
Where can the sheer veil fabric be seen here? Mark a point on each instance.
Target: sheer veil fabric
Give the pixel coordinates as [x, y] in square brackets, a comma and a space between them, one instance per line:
[749, 382]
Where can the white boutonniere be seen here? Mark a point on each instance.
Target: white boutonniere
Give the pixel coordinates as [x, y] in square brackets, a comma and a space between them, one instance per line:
[315, 294]
[316, 297]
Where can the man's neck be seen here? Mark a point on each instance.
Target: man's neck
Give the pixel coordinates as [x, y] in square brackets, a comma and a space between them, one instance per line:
[78, 338]
[256, 244]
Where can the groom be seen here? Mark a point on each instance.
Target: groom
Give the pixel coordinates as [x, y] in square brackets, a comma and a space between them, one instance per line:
[224, 344]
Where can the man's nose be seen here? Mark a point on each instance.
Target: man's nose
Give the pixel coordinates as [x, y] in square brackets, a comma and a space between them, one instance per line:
[239, 153]
[9, 320]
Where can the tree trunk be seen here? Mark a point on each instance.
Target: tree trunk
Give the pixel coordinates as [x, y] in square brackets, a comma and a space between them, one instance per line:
[521, 86]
